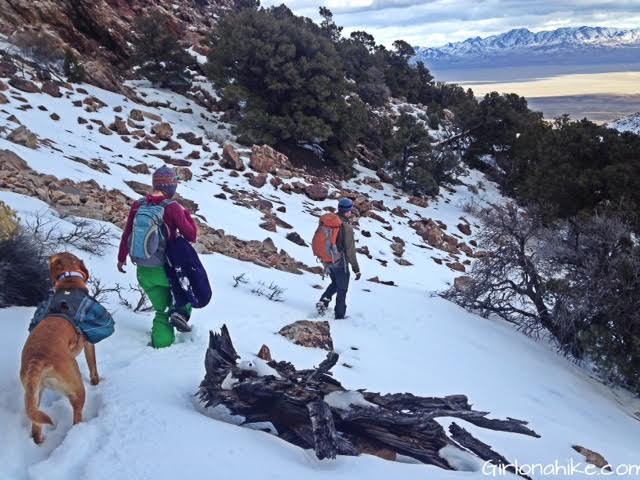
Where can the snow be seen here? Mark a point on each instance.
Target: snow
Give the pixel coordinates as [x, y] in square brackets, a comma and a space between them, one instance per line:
[627, 124]
[522, 39]
[345, 400]
[143, 421]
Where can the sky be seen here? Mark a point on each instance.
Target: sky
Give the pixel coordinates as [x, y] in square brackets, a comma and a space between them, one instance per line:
[432, 23]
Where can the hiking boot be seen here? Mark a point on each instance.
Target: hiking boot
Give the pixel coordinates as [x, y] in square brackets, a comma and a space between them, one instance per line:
[322, 305]
[180, 322]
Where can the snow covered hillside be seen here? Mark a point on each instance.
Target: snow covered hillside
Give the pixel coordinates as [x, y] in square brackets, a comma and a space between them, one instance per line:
[627, 124]
[143, 420]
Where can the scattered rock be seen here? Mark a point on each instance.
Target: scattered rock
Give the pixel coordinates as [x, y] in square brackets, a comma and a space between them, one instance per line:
[594, 458]
[172, 145]
[162, 130]
[55, 117]
[117, 109]
[433, 233]
[3, 99]
[282, 209]
[119, 126]
[419, 201]
[7, 69]
[141, 168]
[23, 136]
[464, 228]
[258, 181]
[104, 130]
[297, 239]
[195, 155]
[190, 138]
[51, 88]
[389, 283]
[375, 216]
[366, 233]
[221, 196]
[231, 159]
[136, 115]
[309, 334]
[24, 85]
[384, 176]
[403, 262]
[457, 266]
[269, 225]
[82, 120]
[145, 145]
[185, 174]
[316, 192]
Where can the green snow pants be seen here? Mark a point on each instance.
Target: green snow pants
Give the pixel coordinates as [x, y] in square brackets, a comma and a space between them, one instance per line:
[155, 283]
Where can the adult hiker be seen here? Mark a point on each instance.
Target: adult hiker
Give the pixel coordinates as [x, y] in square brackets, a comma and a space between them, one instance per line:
[153, 221]
[334, 245]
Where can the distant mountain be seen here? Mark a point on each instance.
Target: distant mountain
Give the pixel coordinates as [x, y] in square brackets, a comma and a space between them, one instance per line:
[627, 124]
[521, 46]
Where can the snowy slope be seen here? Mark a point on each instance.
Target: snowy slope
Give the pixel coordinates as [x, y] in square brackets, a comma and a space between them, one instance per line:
[142, 421]
[627, 124]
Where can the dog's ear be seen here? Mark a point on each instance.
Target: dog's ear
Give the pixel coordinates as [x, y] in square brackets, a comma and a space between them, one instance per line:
[54, 266]
[84, 270]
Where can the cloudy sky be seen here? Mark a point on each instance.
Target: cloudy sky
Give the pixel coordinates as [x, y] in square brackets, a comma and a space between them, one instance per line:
[436, 22]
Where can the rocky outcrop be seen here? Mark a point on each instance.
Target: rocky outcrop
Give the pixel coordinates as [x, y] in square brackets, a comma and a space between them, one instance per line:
[265, 159]
[309, 334]
[317, 192]
[23, 136]
[99, 31]
[24, 85]
[432, 233]
[162, 130]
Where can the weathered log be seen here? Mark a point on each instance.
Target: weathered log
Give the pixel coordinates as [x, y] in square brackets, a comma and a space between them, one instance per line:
[312, 410]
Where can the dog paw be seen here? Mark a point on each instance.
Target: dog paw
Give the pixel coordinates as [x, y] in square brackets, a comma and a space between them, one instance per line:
[95, 380]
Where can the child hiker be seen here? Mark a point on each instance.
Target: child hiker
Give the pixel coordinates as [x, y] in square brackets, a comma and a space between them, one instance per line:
[152, 221]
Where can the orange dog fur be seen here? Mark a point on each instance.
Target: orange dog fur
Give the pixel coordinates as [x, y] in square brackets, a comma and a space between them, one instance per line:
[48, 356]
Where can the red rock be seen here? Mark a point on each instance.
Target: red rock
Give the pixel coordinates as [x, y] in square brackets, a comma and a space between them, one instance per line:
[384, 176]
[258, 181]
[51, 88]
[162, 130]
[231, 159]
[145, 145]
[296, 238]
[269, 225]
[265, 159]
[308, 333]
[464, 228]
[24, 85]
[119, 126]
[419, 201]
[172, 145]
[104, 130]
[190, 138]
[457, 266]
[195, 155]
[316, 192]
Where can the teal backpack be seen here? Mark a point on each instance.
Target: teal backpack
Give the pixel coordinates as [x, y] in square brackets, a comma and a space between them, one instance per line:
[147, 242]
[84, 312]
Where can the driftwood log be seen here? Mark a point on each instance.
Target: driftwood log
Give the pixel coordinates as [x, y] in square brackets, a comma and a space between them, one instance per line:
[311, 409]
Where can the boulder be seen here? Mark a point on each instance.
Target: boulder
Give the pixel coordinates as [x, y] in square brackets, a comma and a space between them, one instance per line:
[464, 228]
[7, 69]
[55, 117]
[23, 136]
[119, 126]
[384, 176]
[231, 159]
[309, 334]
[269, 225]
[3, 99]
[24, 85]
[136, 115]
[194, 155]
[317, 192]
[104, 130]
[184, 173]
[172, 145]
[162, 130]
[265, 159]
[51, 88]
[457, 266]
[258, 181]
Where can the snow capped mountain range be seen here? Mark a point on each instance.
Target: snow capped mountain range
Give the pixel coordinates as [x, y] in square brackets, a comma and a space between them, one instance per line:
[522, 41]
[628, 124]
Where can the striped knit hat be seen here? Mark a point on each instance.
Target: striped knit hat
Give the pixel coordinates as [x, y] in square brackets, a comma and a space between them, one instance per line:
[165, 180]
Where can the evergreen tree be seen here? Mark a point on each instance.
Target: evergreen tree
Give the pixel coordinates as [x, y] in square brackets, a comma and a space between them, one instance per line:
[284, 78]
[73, 69]
[158, 54]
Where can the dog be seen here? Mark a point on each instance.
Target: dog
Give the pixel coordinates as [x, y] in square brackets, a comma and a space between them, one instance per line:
[49, 354]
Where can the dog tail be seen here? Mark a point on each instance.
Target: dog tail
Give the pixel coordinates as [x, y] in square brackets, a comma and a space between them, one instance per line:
[32, 386]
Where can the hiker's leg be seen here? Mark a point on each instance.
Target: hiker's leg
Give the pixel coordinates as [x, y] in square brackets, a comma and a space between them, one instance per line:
[331, 289]
[156, 285]
[342, 285]
[181, 302]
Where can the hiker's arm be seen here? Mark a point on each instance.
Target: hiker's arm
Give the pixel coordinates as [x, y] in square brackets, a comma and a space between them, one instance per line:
[123, 251]
[350, 248]
[182, 220]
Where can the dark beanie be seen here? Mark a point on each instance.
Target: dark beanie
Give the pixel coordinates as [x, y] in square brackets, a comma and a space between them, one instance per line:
[165, 180]
[345, 205]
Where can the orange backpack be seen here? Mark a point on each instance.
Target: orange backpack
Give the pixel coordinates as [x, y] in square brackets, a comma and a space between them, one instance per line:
[325, 239]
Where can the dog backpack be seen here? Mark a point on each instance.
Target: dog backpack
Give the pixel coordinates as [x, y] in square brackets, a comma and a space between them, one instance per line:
[148, 237]
[325, 239]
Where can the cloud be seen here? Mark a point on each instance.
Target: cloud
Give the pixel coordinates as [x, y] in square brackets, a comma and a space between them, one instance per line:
[436, 22]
